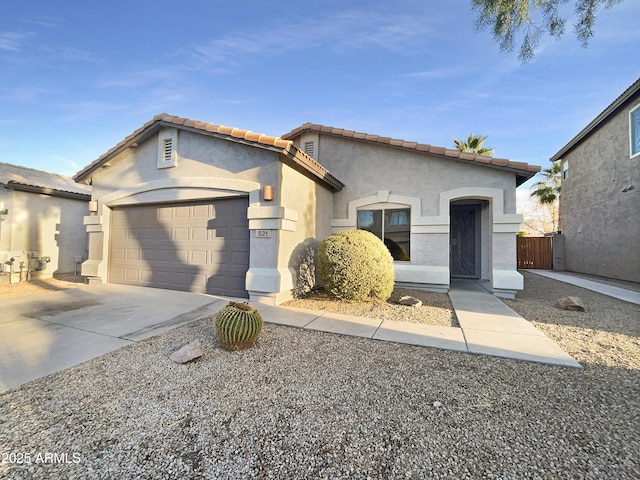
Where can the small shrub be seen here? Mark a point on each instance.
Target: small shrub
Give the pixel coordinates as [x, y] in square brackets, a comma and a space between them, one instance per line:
[355, 265]
[304, 264]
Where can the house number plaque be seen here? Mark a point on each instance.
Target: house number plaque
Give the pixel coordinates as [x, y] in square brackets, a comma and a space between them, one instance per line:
[263, 233]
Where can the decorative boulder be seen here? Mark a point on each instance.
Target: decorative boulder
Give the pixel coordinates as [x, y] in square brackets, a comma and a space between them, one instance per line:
[187, 353]
[238, 326]
[410, 301]
[570, 303]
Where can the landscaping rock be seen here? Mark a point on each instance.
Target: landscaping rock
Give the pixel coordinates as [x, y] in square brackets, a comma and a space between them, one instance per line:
[410, 301]
[570, 303]
[187, 353]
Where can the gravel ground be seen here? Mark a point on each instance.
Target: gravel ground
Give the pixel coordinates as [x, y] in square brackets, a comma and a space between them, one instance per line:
[36, 287]
[436, 308]
[304, 404]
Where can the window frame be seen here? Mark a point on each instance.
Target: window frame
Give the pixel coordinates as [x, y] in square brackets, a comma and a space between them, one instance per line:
[634, 135]
[383, 210]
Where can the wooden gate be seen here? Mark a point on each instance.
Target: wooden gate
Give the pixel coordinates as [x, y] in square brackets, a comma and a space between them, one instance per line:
[534, 252]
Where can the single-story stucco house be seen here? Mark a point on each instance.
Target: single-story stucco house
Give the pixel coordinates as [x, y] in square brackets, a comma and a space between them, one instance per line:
[600, 201]
[41, 225]
[189, 205]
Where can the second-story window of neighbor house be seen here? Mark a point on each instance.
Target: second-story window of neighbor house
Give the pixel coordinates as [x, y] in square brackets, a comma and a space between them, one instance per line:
[634, 130]
[392, 226]
[565, 170]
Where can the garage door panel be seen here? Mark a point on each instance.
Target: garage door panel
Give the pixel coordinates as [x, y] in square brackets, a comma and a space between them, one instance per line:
[202, 247]
[200, 211]
[165, 212]
[148, 233]
[132, 275]
[117, 274]
[198, 257]
[199, 233]
[182, 256]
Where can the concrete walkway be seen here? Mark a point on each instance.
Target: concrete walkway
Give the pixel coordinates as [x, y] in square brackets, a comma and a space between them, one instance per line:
[616, 292]
[48, 333]
[487, 327]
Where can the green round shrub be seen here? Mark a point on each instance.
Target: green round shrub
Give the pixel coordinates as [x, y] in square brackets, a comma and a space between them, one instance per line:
[355, 265]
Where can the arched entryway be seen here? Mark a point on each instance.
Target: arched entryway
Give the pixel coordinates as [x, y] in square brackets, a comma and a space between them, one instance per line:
[465, 236]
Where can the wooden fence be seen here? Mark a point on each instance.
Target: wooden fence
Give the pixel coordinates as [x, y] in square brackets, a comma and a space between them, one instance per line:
[534, 252]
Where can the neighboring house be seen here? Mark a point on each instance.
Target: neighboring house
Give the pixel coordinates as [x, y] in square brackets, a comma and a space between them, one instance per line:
[600, 200]
[188, 205]
[41, 221]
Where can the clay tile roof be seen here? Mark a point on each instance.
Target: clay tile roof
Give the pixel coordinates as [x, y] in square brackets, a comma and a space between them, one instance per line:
[278, 142]
[252, 136]
[286, 147]
[502, 162]
[523, 170]
[222, 130]
[17, 176]
[467, 156]
[236, 132]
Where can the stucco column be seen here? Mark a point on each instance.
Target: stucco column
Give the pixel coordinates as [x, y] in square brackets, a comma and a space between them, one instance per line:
[94, 268]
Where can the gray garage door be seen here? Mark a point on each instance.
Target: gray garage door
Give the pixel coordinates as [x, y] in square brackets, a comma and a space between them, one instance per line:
[197, 247]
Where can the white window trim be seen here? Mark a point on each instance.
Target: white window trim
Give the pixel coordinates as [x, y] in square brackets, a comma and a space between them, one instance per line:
[631, 126]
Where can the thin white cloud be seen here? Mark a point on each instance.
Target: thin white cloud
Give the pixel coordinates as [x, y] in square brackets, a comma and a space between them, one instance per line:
[138, 79]
[438, 73]
[72, 55]
[12, 41]
[41, 21]
[345, 31]
[74, 111]
[23, 94]
[67, 161]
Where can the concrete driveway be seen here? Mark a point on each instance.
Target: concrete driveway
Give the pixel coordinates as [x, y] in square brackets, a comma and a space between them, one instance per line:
[43, 334]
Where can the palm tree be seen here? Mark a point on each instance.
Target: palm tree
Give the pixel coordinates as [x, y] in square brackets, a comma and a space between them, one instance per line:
[547, 190]
[474, 145]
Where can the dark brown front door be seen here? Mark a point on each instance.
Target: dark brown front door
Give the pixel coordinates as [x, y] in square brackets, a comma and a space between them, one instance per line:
[463, 241]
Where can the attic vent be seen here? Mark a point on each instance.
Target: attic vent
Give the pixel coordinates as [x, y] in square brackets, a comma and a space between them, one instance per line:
[168, 149]
[308, 148]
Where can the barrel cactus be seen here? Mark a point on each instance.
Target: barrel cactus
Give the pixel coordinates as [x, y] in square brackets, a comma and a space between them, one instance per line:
[238, 325]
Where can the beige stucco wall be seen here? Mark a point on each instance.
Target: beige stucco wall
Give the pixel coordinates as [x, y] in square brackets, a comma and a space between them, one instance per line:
[206, 168]
[600, 212]
[404, 173]
[42, 226]
[313, 205]
[379, 175]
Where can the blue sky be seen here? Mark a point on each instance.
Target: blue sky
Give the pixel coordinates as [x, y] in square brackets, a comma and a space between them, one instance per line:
[77, 77]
